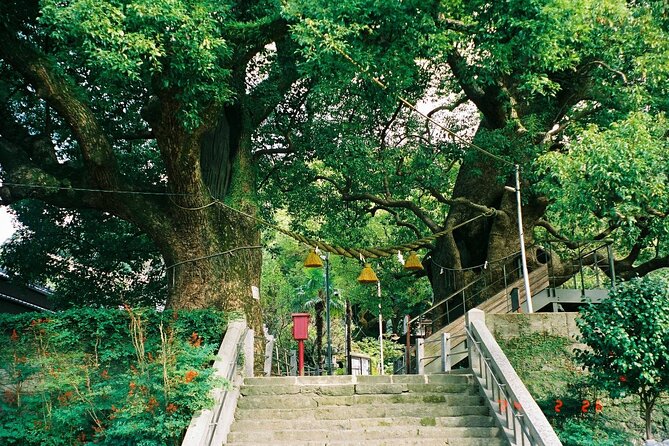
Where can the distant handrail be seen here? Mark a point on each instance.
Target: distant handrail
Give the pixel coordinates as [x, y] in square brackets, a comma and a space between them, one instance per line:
[445, 299]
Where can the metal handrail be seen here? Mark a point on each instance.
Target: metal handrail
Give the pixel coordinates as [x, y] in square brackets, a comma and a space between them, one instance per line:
[523, 423]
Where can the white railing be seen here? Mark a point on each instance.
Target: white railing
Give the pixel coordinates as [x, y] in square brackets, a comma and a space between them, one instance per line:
[520, 416]
[234, 361]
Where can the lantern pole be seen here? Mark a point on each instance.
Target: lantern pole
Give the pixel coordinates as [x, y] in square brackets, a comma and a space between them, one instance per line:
[327, 312]
[378, 293]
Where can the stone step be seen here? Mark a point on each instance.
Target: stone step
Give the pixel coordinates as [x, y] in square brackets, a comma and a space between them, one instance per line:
[363, 435]
[361, 423]
[392, 442]
[305, 401]
[360, 389]
[348, 412]
[446, 378]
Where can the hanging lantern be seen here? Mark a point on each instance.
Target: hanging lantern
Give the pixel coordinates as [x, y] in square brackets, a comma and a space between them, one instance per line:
[413, 263]
[313, 260]
[367, 275]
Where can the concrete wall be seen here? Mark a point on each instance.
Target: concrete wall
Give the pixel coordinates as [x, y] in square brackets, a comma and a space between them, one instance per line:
[511, 325]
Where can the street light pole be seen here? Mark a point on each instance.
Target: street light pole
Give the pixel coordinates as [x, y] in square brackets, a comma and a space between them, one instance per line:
[521, 236]
[327, 312]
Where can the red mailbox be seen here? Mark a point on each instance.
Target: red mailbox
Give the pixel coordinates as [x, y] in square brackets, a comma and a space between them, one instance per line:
[300, 333]
[300, 326]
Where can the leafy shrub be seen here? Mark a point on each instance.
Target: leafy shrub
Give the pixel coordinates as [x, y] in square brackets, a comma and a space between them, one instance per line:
[109, 377]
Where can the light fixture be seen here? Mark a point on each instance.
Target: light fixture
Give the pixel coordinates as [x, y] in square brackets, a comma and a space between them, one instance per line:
[313, 260]
[367, 275]
[413, 263]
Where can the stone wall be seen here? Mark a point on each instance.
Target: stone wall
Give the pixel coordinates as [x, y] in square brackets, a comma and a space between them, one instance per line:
[511, 325]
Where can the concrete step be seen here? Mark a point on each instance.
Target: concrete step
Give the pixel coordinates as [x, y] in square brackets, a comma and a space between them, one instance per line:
[444, 409]
[446, 378]
[356, 389]
[304, 401]
[363, 435]
[392, 442]
[361, 423]
[348, 412]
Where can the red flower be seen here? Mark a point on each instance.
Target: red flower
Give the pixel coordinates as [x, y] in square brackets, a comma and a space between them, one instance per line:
[152, 404]
[195, 340]
[15, 336]
[622, 379]
[190, 376]
[64, 398]
[171, 408]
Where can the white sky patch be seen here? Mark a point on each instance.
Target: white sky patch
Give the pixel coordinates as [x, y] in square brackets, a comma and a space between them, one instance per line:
[6, 224]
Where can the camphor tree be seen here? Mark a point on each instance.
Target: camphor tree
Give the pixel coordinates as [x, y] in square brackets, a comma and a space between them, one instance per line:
[186, 99]
[573, 92]
[628, 336]
[145, 110]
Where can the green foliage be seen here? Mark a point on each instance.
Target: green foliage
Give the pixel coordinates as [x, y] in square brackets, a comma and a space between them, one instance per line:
[114, 377]
[545, 365]
[592, 188]
[579, 431]
[370, 346]
[130, 43]
[628, 338]
[85, 257]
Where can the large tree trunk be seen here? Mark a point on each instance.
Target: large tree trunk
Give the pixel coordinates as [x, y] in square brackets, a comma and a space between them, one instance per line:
[489, 245]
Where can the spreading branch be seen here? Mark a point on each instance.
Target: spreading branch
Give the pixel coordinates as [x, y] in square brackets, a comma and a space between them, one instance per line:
[65, 98]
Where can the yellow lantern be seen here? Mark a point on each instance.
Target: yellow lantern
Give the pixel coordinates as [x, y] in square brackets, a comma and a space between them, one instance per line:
[313, 260]
[367, 275]
[412, 263]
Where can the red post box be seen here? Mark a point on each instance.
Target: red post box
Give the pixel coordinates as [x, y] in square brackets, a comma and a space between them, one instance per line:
[300, 326]
[300, 333]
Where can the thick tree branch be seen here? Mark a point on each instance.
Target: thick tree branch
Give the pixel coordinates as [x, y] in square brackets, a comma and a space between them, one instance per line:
[272, 90]
[449, 107]
[463, 202]
[66, 99]
[282, 151]
[399, 221]
[455, 25]
[626, 271]
[404, 204]
[493, 100]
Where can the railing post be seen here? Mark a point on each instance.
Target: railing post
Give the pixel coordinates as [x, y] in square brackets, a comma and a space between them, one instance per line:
[445, 352]
[612, 267]
[293, 363]
[269, 349]
[471, 316]
[420, 355]
[248, 353]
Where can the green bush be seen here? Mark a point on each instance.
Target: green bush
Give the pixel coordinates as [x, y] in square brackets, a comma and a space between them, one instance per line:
[109, 377]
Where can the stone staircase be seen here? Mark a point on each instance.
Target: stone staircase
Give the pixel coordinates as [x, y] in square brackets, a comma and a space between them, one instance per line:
[371, 410]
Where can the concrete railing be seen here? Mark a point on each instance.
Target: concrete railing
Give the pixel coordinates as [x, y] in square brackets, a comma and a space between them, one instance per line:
[517, 412]
[234, 361]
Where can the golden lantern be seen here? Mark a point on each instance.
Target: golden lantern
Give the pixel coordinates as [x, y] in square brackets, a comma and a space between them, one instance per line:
[367, 275]
[313, 260]
[412, 263]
